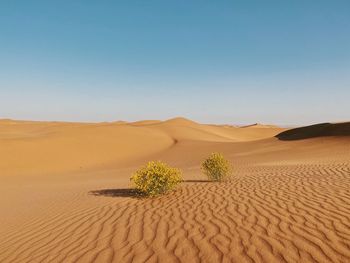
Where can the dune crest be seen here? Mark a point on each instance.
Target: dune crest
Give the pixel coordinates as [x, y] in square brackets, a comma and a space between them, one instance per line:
[259, 125]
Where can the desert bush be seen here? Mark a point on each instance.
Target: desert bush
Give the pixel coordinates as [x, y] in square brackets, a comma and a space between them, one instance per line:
[216, 167]
[156, 178]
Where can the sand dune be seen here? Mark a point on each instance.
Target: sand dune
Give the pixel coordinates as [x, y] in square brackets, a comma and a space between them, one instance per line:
[55, 147]
[65, 198]
[31, 148]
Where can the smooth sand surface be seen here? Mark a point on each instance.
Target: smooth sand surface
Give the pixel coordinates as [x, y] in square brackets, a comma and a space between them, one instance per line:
[65, 197]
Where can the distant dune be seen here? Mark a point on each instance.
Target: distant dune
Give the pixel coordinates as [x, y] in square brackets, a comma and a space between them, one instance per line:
[54, 147]
[317, 130]
[64, 193]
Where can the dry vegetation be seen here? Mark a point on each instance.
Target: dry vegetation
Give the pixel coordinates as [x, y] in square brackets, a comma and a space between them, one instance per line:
[156, 178]
[216, 167]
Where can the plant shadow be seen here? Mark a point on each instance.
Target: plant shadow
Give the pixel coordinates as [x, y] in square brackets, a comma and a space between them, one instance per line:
[131, 192]
[123, 192]
[197, 181]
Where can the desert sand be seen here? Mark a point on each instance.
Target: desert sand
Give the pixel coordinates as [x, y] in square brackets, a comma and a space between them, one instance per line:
[64, 193]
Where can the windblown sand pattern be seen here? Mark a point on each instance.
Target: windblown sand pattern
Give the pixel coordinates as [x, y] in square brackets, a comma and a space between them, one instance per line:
[286, 202]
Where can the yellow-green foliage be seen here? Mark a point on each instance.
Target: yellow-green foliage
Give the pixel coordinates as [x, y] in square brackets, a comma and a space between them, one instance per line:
[156, 178]
[216, 167]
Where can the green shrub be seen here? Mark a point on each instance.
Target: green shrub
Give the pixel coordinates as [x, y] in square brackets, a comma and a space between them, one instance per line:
[216, 167]
[156, 178]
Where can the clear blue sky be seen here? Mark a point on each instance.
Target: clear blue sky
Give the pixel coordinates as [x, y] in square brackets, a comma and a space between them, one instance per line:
[284, 62]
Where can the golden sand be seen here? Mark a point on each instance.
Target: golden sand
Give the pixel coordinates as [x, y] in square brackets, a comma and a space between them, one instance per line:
[65, 198]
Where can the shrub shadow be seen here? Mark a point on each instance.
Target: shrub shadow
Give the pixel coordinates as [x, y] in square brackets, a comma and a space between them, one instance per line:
[131, 192]
[196, 181]
[124, 192]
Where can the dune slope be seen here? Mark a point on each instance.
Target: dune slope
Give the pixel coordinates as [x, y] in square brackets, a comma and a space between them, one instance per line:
[31, 148]
[317, 130]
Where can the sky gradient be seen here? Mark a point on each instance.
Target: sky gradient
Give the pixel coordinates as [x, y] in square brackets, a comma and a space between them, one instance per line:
[283, 62]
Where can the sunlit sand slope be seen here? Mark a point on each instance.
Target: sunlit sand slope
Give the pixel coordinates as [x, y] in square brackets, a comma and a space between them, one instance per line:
[55, 147]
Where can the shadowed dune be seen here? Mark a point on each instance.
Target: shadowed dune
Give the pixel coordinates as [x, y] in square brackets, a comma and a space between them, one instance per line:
[317, 130]
[286, 201]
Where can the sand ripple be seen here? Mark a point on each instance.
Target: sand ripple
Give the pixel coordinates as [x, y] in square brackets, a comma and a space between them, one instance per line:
[291, 213]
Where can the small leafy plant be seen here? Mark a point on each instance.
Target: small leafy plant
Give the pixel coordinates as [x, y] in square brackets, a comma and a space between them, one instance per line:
[156, 178]
[216, 167]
